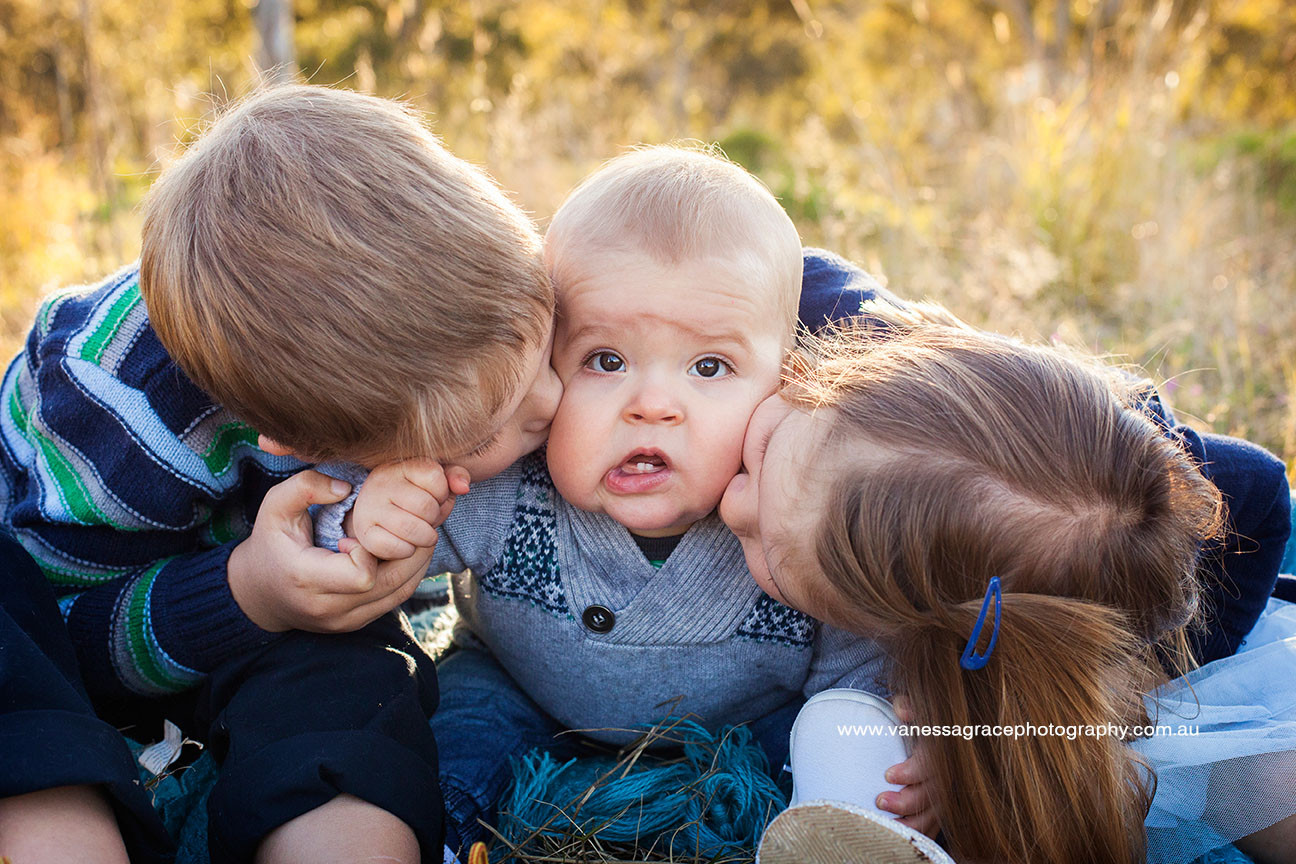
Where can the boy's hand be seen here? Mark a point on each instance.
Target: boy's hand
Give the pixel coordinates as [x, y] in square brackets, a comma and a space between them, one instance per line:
[401, 504]
[281, 581]
[913, 803]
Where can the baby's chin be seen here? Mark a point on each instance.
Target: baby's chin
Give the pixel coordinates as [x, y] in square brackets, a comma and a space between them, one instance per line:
[651, 521]
[646, 515]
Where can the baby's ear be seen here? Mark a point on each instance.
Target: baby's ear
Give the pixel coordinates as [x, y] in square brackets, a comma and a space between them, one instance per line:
[273, 447]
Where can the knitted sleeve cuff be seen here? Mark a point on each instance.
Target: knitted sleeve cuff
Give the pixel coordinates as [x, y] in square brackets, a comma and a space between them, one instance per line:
[329, 517]
[196, 621]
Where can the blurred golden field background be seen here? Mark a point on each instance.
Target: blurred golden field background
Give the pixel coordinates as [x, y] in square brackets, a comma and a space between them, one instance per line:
[1115, 174]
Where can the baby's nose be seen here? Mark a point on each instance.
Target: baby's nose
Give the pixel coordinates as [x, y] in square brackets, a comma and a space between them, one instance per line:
[653, 405]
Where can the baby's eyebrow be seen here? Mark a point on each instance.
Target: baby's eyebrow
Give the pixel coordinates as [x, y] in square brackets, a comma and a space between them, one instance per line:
[731, 338]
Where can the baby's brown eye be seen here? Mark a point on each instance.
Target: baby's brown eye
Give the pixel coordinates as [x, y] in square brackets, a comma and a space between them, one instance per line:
[606, 361]
[710, 367]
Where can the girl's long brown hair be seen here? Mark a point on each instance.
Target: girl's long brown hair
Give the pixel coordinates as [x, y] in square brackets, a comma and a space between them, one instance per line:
[1001, 459]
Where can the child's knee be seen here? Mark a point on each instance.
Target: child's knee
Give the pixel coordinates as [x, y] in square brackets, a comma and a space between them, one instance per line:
[345, 829]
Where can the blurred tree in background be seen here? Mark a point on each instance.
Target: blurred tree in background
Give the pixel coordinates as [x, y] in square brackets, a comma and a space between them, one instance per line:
[1119, 174]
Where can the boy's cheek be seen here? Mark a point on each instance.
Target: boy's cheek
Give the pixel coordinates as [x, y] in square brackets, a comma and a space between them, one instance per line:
[496, 459]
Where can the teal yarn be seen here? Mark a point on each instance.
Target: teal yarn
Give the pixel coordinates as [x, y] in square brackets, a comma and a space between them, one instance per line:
[180, 798]
[714, 801]
[1227, 855]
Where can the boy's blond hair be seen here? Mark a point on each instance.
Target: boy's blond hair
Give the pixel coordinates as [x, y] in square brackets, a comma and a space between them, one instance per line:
[323, 267]
[678, 203]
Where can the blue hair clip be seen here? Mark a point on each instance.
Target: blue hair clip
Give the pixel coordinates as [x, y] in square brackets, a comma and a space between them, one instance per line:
[971, 660]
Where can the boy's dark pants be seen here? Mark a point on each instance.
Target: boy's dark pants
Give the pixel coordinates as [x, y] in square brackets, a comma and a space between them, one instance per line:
[49, 735]
[309, 717]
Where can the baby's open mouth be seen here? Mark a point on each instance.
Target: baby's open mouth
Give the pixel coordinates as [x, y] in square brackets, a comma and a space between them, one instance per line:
[643, 470]
[643, 463]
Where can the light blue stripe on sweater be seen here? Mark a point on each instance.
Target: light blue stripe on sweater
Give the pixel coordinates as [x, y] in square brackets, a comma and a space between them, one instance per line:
[131, 636]
[15, 441]
[180, 676]
[63, 569]
[123, 282]
[157, 441]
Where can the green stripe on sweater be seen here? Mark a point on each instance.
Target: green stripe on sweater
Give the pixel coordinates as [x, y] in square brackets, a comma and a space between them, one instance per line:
[58, 574]
[94, 347]
[220, 455]
[222, 528]
[71, 488]
[137, 629]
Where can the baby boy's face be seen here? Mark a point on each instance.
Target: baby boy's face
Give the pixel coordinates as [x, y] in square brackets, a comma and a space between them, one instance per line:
[662, 366]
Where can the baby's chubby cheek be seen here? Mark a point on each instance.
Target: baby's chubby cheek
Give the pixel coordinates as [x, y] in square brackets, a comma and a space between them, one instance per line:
[571, 467]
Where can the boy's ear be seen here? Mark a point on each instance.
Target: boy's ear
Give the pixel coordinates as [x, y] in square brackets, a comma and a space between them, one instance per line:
[273, 447]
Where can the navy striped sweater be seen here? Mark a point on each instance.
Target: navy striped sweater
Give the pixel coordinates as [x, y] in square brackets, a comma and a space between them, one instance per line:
[129, 487]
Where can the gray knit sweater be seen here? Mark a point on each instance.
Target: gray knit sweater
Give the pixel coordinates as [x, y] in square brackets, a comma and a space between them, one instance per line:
[537, 575]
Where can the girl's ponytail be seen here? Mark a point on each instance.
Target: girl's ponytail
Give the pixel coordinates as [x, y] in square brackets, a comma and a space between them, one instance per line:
[1027, 762]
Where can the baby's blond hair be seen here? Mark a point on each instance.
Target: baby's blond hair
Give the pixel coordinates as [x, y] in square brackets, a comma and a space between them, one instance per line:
[678, 203]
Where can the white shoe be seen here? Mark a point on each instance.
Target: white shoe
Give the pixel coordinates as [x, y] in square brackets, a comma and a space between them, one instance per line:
[837, 774]
[831, 832]
[830, 758]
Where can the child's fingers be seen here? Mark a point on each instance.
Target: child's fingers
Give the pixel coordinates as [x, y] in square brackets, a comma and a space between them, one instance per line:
[445, 511]
[388, 584]
[394, 574]
[459, 479]
[909, 801]
[428, 476]
[323, 573]
[417, 501]
[414, 528]
[290, 500]
[384, 544]
[906, 772]
[361, 615]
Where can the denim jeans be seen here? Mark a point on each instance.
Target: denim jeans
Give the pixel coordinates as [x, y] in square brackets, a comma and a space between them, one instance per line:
[485, 721]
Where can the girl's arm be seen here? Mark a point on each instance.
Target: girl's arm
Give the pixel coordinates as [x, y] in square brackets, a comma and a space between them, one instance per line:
[1238, 571]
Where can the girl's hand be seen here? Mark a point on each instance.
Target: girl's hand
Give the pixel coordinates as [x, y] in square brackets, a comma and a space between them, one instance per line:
[913, 803]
